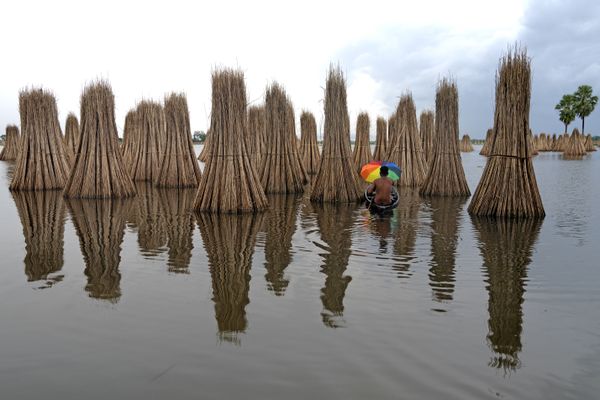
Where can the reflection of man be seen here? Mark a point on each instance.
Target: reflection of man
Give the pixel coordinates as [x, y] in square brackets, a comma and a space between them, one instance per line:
[382, 187]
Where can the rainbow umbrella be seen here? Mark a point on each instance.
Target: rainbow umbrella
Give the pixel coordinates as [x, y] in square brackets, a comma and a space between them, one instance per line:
[370, 171]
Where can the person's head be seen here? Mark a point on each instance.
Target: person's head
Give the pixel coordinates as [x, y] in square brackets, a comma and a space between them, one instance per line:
[383, 171]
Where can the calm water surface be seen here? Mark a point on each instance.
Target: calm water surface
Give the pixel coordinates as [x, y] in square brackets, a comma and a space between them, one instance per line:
[141, 298]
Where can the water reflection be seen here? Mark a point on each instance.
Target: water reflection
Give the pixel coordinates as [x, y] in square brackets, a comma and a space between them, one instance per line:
[406, 221]
[100, 226]
[445, 214]
[176, 209]
[42, 215]
[148, 221]
[280, 225]
[506, 246]
[335, 225]
[229, 241]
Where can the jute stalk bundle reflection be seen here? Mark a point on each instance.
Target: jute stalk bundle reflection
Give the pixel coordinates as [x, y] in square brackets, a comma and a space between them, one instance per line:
[11, 144]
[98, 170]
[508, 187]
[426, 132]
[230, 183]
[178, 167]
[309, 148]
[381, 140]
[281, 170]
[177, 206]
[362, 145]
[41, 162]
[72, 134]
[336, 180]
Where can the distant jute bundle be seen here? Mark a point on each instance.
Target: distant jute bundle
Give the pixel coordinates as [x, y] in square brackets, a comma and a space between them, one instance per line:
[508, 187]
[362, 145]
[205, 152]
[309, 148]
[281, 170]
[574, 146]
[406, 150]
[465, 144]
[336, 180]
[130, 136]
[446, 176]
[11, 144]
[381, 140]
[230, 183]
[98, 170]
[256, 138]
[41, 162]
[487, 144]
[178, 167]
[72, 134]
[426, 131]
[150, 145]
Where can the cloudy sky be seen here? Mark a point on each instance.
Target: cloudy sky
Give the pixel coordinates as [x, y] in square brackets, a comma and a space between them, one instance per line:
[148, 48]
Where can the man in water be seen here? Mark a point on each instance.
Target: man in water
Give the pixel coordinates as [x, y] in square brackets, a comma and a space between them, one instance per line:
[382, 187]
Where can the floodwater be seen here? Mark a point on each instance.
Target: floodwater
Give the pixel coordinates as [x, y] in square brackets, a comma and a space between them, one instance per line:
[143, 299]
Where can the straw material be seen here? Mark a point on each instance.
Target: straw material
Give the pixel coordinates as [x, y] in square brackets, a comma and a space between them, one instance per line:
[100, 226]
[446, 176]
[465, 144]
[178, 167]
[309, 148]
[41, 162]
[574, 147]
[531, 144]
[381, 140]
[487, 144]
[280, 225]
[176, 207]
[336, 180]
[11, 144]
[230, 183]
[335, 225]
[405, 148]
[589, 143]
[130, 136]
[98, 170]
[393, 133]
[72, 134]
[229, 243]
[256, 134]
[506, 247]
[205, 152]
[149, 144]
[508, 187]
[281, 170]
[362, 145]
[426, 132]
[42, 216]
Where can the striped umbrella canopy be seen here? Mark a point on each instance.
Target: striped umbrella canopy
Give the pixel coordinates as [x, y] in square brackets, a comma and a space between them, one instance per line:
[370, 171]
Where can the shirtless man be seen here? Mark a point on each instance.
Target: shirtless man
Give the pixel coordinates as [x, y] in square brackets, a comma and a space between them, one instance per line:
[382, 187]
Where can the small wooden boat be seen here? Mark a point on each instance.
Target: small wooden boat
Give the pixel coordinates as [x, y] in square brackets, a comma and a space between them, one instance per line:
[378, 208]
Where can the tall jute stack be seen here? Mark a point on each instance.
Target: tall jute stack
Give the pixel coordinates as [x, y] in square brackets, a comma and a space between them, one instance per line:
[229, 243]
[178, 167]
[41, 162]
[230, 183]
[406, 150]
[508, 187]
[574, 146]
[148, 149]
[336, 180]
[465, 144]
[100, 226]
[130, 136]
[98, 170]
[532, 141]
[589, 143]
[42, 216]
[426, 132]
[72, 133]
[205, 152]
[11, 144]
[506, 247]
[177, 207]
[281, 170]
[309, 148]
[393, 132]
[280, 225]
[256, 134]
[487, 144]
[381, 140]
[446, 176]
[362, 145]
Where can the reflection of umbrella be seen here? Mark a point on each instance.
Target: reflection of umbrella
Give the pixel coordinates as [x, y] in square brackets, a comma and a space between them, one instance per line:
[370, 171]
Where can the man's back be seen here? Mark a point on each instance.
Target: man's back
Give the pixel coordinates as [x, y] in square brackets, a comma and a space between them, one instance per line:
[383, 190]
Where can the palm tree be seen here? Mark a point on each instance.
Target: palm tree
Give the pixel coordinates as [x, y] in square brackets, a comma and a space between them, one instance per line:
[566, 110]
[584, 103]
